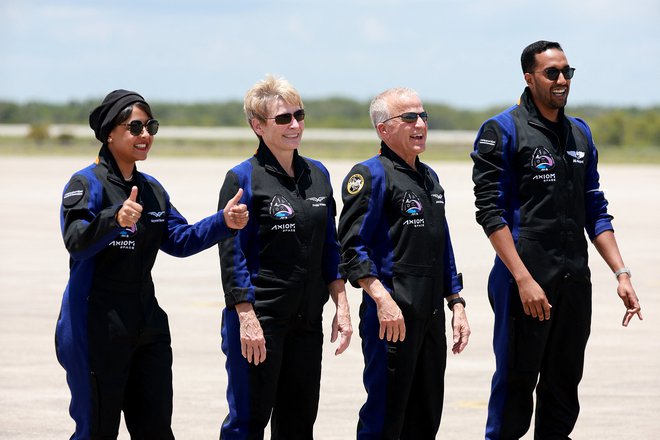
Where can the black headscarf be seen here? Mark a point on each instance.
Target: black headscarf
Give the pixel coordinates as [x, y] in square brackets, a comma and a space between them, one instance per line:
[102, 117]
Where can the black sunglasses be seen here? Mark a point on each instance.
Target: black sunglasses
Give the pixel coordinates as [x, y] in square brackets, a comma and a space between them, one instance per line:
[285, 118]
[410, 117]
[136, 127]
[552, 73]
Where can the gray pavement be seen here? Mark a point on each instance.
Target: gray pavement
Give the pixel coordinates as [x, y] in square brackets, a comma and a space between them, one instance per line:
[620, 392]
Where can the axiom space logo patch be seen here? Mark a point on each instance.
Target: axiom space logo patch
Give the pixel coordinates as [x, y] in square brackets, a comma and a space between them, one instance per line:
[542, 160]
[410, 205]
[280, 208]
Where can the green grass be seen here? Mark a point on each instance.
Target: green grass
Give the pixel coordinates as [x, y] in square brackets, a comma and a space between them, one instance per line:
[314, 149]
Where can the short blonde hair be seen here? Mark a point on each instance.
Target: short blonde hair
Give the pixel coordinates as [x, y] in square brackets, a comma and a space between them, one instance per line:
[379, 109]
[264, 92]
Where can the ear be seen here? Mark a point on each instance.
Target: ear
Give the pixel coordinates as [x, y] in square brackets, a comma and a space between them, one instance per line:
[382, 130]
[109, 139]
[529, 79]
[257, 126]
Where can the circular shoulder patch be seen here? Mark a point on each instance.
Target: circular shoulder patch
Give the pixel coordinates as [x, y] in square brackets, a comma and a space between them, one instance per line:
[73, 193]
[487, 142]
[355, 183]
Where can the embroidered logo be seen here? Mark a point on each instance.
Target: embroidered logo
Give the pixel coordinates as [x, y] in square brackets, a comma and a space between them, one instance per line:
[157, 216]
[439, 198]
[280, 208]
[577, 156]
[318, 201]
[410, 205]
[542, 160]
[355, 184]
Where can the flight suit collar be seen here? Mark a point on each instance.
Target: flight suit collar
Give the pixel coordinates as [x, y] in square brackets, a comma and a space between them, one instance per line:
[107, 160]
[420, 169]
[266, 159]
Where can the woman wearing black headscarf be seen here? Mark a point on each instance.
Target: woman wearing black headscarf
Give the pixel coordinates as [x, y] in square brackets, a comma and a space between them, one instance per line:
[112, 338]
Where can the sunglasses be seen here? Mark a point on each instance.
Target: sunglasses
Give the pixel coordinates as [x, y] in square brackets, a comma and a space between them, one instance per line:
[285, 118]
[410, 117]
[136, 127]
[552, 73]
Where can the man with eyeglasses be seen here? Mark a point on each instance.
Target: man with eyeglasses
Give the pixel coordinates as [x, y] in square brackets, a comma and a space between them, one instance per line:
[537, 190]
[395, 245]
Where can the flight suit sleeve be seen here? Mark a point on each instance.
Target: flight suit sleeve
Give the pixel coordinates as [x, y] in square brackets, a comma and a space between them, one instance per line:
[363, 207]
[597, 219]
[453, 279]
[331, 258]
[183, 239]
[236, 280]
[87, 228]
[491, 175]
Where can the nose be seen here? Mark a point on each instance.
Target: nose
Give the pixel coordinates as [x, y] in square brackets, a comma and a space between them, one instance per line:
[561, 79]
[420, 120]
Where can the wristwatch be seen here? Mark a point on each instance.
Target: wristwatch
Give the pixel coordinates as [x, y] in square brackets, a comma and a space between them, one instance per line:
[453, 302]
[622, 270]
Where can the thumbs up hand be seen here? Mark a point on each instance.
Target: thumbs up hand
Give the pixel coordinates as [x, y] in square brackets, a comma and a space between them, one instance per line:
[236, 215]
[130, 211]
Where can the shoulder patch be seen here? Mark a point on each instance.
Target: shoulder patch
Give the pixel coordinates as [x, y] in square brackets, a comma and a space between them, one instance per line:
[73, 194]
[355, 183]
[487, 142]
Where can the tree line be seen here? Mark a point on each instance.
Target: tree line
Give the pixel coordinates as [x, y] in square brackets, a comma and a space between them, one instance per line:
[627, 126]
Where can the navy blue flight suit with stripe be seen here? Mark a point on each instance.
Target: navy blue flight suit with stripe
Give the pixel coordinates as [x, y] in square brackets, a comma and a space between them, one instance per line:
[112, 337]
[393, 227]
[282, 263]
[540, 181]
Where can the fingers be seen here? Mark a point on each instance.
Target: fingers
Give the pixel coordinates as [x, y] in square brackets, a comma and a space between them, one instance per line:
[253, 343]
[344, 342]
[342, 328]
[234, 200]
[538, 310]
[133, 196]
[461, 330]
[253, 351]
[236, 215]
[131, 211]
[393, 331]
[335, 330]
[629, 315]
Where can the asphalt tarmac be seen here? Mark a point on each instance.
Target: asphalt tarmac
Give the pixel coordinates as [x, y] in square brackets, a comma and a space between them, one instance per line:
[620, 391]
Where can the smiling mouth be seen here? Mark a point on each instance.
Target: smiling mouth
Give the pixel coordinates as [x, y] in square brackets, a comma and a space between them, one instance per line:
[560, 92]
[140, 146]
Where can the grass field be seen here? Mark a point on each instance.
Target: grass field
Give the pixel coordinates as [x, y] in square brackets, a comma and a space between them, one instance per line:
[317, 149]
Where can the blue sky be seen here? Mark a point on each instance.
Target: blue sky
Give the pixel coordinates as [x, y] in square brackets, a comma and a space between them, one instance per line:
[461, 52]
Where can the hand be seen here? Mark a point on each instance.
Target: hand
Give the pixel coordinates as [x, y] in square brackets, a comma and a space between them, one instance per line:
[253, 343]
[236, 215]
[629, 298]
[130, 211]
[341, 324]
[392, 325]
[533, 299]
[459, 324]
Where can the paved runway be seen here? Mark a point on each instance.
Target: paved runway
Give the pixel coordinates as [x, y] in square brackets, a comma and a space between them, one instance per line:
[620, 392]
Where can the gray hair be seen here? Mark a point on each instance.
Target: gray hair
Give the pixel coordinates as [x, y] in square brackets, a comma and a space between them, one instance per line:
[379, 109]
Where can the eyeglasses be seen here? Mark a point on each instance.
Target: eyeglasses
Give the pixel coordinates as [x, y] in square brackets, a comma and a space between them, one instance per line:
[136, 127]
[410, 117]
[552, 73]
[285, 118]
